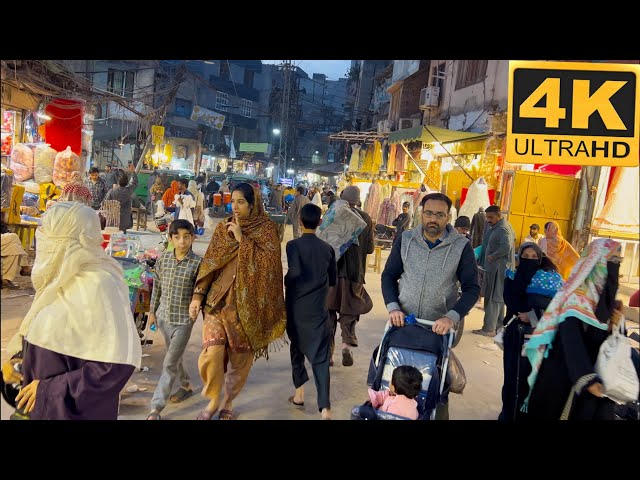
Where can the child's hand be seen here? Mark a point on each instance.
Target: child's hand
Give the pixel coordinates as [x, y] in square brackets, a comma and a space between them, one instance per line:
[194, 309]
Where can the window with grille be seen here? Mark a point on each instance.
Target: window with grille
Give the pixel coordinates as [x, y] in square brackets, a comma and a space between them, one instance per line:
[471, 72]
[246, 108]
[222, 101]
[120, 82]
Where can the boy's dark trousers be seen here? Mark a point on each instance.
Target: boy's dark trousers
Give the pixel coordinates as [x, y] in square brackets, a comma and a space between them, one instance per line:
[320, 371]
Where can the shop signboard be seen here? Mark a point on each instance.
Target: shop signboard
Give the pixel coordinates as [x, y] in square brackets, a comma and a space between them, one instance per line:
[286, 181]
[207, 117]
[157, 134]
[570, 113]
[253, 147]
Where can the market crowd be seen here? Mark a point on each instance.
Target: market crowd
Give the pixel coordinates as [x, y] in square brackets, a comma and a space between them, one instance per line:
[551, 308]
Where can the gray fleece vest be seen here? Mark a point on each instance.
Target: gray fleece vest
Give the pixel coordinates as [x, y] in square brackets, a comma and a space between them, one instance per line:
[428, 286]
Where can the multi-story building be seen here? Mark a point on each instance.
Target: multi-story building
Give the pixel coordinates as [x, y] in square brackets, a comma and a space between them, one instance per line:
[360, 91]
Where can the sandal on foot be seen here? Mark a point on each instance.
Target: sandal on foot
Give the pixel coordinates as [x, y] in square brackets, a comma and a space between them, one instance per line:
[347, 357]
[10, 285]
[225, 415]
[153, 416]
[296, 405]
[180, 395]
[205, 415]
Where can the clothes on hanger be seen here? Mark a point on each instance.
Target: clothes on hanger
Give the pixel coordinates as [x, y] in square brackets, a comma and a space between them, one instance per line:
[354, 162]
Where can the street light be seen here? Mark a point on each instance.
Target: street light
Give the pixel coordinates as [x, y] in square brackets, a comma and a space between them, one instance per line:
[276, 132]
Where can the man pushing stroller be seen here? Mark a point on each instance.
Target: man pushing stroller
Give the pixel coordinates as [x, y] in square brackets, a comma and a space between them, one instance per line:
[436, 252]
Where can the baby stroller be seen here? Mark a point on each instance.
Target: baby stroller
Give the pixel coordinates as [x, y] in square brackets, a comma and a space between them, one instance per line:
[417, 345]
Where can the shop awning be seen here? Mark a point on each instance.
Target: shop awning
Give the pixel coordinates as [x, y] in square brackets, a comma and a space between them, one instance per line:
[330, 170]
[429, 134]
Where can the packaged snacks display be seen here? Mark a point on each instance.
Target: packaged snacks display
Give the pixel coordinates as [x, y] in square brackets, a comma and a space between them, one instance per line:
[65, 164]
[124, 245]
[22, 162]
[44, 158]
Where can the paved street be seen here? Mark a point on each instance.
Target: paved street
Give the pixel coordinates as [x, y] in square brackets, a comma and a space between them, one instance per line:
[269, 384]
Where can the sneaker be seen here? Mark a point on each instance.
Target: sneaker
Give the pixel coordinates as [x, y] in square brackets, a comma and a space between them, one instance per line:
[347, 357]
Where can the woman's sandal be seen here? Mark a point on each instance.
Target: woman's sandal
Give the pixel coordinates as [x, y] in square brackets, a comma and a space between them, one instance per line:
[180, 395]
[205, 415]
[153, 416]
[225, 415]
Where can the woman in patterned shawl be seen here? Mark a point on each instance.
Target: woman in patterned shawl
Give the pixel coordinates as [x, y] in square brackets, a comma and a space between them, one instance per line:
[239, 287]
[565, 344]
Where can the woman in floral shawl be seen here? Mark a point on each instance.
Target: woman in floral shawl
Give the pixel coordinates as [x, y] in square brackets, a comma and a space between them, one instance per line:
[564, 346]
[239, 287]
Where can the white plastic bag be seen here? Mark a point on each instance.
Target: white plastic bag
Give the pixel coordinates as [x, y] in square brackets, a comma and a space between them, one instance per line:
[615, 367]
[44, 159]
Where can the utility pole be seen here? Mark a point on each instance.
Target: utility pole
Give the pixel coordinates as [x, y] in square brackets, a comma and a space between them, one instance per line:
[284, 116]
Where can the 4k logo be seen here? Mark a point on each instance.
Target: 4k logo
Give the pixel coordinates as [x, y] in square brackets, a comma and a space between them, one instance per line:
[573, 113]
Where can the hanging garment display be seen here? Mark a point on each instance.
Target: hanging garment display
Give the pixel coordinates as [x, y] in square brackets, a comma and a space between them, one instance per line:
[401, 160]
[377, 157]
[397, 202]
[366, 154]
[354, 162]
[619, 216]
[374, 198]
[388, 212]
[387, 190]
[385, 155]
[391, 161]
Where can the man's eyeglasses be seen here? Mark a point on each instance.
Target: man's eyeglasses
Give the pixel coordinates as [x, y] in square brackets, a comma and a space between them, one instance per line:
[438, 215]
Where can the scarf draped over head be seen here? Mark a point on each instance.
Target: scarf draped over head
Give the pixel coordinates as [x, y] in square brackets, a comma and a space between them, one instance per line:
[259, 291]
[193, 188]
[76, 191]
[81, 307]
[559, 250]
[527, 268]
[579, 297]
[170, 194]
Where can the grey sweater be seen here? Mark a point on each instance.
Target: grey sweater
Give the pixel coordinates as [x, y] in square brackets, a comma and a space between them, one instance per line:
[424, 281]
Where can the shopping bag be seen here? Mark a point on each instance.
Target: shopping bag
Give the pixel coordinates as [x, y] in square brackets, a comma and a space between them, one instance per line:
[456, 374]
[615, 367]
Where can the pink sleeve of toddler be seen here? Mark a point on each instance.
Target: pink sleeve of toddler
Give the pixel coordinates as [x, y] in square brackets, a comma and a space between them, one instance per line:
[377, 398]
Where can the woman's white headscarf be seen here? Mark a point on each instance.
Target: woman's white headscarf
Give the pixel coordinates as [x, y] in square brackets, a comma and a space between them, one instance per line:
[81, 307]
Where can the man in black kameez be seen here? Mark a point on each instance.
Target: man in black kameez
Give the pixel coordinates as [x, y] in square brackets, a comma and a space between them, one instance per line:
[312, 269]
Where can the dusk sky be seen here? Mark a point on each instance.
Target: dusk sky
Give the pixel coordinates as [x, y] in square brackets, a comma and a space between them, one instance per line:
[333, 69]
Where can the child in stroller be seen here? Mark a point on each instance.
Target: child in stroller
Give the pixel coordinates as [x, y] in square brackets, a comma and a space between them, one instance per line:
[414, 344]
[406, 382]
